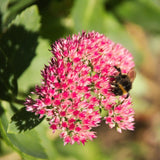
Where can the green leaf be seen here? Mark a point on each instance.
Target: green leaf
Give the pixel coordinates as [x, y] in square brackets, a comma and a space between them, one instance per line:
[143, 12]
[47, 141]
[32, 74]
[10, 8]
[18, 46]
[91, 150]
[29, 19]
[20, 41]
[88, 15]
[28, 142]
[23, 121]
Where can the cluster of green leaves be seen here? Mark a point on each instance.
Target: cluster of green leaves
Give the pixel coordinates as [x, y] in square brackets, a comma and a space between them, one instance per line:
[27, 28]
[19, 40]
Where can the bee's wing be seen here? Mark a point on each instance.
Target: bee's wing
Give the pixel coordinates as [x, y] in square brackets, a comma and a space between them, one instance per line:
[132, 74]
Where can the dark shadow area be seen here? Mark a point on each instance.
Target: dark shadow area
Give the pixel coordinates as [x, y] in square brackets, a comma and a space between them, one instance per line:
[52, 13]
[24, 120]
[8, 81]
[17, 50]
[1, 110]
[111, 5]
[19, 46]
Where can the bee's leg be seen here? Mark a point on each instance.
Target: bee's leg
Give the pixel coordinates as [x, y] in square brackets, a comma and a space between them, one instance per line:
[115, 89]
[127, 96]
[118, 69]
[113, 83]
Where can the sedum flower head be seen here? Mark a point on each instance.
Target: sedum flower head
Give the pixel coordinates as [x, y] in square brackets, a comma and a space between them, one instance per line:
[76, 87]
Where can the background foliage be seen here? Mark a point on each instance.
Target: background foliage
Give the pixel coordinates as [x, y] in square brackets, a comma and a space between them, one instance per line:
[29, 27]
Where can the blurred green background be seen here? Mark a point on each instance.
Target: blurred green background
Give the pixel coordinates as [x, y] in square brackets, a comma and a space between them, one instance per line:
[29, 27]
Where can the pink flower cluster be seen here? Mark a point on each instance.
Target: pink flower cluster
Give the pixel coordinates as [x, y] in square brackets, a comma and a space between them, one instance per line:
[76, 87]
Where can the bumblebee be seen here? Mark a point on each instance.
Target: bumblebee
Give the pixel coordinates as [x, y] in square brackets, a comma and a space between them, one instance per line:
[122, 83]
